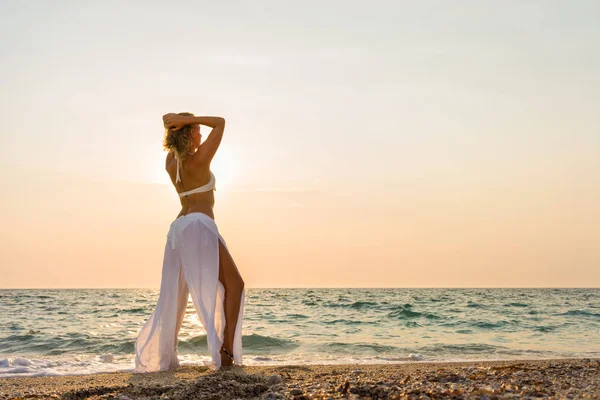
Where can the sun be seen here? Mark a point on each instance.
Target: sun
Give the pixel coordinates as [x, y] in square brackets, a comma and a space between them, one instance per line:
[224, 166]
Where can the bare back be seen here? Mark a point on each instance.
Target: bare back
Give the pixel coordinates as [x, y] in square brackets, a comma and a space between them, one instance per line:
[193, 174]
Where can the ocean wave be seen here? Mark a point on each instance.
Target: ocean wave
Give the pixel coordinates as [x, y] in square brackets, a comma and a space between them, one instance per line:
[135, 310]
[443, 298]
[402, 313]
[50, 345]
[343, 321]
[516, 305]
[459, 349]
[488, 324]
[545, 328]
[297, 316]
[356, 348]
[291, 325]
[71, 365]
[194, 343]
[88, 344]
[259, 343]
[357, 305]
[582, 313]
[471, 304]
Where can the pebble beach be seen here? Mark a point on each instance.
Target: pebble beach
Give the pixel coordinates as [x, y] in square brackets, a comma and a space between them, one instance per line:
[516, 379]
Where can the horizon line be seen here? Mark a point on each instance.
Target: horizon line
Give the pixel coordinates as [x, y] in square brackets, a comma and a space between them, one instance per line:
[315, 287]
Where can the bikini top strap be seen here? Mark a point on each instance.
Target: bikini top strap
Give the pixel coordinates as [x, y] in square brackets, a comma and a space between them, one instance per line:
[178, 177]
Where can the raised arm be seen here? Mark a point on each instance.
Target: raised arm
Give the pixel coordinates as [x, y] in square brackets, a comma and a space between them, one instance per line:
[208, 149]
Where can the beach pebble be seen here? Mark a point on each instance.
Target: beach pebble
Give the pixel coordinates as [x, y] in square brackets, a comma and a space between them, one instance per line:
[276, 387]
[484, 390]
[271, 396]
[274, 379]
[543, 379]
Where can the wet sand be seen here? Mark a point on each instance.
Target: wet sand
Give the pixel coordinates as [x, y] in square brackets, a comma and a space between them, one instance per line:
[518, 379]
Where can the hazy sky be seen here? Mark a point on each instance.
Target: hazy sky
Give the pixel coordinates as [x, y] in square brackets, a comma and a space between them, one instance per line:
[395, 144]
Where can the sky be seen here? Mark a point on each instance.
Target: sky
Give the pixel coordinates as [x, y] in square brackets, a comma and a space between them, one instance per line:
[389, 144]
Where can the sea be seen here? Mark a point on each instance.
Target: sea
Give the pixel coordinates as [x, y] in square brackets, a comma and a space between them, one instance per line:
[87, 331]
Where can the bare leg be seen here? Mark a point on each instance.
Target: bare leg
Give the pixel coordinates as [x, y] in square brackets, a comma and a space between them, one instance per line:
[233, 283]
[182, 301]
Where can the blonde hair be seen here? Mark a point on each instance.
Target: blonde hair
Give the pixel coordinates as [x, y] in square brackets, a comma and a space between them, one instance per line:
[179, 140]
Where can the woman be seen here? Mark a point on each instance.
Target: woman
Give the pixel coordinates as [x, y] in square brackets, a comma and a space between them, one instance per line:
[196, 259]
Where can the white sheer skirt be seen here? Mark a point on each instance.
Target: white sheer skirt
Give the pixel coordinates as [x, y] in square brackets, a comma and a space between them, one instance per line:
[190, 267]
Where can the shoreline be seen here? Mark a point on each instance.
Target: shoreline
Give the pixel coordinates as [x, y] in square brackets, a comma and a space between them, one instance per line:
[121, 367]
[542, 378]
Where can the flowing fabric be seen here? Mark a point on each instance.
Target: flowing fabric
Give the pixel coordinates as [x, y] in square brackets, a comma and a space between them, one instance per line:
[190, 267]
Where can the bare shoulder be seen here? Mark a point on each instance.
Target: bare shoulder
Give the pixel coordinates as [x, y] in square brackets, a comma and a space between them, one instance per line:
[170, 158]
[197, 160]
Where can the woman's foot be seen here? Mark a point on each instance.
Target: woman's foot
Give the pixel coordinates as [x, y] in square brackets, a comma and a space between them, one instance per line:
[226, 358]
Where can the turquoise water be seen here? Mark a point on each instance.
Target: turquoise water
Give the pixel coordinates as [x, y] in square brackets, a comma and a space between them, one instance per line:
[45, 332]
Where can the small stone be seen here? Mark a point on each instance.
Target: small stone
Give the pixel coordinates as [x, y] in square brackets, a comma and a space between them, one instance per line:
[485, 390]
[274, 379]
[271, 396]
[344, 387]
[295, 392]
[277, 387]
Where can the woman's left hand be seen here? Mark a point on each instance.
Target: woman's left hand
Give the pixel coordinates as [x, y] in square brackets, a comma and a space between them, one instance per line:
[174, 121]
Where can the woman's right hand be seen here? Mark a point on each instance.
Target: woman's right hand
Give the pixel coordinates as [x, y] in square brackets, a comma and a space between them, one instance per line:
[174, 121]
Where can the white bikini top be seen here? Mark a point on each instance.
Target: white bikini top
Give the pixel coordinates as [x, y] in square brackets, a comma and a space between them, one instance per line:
[204, 188]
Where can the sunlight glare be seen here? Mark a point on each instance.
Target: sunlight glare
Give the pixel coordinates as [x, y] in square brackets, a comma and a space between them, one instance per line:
[159, 174]
[224, 167]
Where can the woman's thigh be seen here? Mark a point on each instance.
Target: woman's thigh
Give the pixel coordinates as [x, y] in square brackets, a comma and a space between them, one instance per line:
[229, 275]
